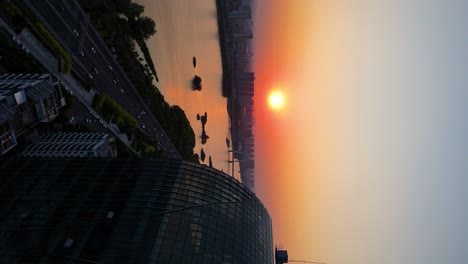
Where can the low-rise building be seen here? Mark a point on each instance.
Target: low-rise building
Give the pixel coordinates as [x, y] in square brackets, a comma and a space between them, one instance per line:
[25, 100]
[71, 145]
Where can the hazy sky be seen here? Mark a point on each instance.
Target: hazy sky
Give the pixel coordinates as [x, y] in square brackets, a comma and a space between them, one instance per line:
[368, 162]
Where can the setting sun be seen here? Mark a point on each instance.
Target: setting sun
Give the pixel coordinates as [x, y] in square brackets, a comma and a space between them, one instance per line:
[276, 100]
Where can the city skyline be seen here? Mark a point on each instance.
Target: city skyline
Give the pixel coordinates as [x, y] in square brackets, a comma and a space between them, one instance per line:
[346, 118]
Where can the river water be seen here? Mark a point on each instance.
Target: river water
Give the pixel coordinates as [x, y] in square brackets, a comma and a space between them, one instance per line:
[188, 28]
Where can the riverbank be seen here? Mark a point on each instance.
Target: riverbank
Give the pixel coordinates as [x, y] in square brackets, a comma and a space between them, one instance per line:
[112, 22]
[189, 29]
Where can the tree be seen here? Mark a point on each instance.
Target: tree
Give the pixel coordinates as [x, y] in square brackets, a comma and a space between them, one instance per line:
[145, 26]
[122, 5]
[134, 10]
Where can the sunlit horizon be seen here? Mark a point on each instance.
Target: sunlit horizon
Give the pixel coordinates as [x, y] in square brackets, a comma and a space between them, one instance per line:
[367, 165]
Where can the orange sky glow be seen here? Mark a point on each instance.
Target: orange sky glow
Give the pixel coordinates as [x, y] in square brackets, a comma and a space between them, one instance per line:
[366, 163]
[280, 182]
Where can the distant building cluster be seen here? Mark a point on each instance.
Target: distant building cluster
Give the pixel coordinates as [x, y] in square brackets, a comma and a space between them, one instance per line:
[26, 100]
[235, 26]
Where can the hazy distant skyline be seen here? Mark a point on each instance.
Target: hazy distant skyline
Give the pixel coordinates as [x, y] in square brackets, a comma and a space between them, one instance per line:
[368, 162]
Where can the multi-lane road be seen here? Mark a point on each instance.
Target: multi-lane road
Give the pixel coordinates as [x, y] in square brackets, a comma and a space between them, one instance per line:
[93, 60]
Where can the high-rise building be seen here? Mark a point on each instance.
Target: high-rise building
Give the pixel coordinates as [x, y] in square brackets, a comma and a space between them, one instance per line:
[101, 210]
[70, 145]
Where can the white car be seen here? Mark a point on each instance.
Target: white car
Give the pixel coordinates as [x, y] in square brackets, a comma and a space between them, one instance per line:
[122, 90]
[110, 67]
[93, 49]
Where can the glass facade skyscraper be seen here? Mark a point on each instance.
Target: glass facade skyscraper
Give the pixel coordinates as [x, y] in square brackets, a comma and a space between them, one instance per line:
[128, 211]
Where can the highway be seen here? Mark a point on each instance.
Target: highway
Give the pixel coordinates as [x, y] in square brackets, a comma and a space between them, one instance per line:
[66, 20]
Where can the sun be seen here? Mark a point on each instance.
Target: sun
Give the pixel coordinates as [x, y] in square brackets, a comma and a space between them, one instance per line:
[276, 100]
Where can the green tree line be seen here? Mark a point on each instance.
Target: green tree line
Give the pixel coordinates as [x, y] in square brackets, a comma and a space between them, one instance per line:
[57, 49]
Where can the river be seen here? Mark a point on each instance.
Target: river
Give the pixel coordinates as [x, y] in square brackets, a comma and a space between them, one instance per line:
[188, 28]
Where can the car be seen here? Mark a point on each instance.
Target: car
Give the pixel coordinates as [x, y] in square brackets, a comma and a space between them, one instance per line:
[122, 90]
[76, 32]
[115, 82]
[82, 54]
[90, 76]
[96, 70]
[143, 126]
[110, 67]
[93, 49]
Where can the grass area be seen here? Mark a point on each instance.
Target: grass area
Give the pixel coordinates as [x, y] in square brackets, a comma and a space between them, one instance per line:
[111, 111]
[55, 46]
